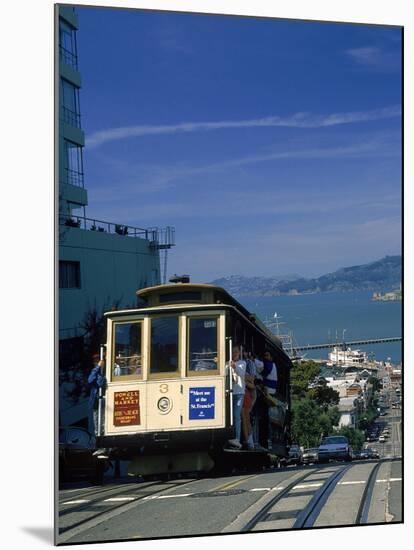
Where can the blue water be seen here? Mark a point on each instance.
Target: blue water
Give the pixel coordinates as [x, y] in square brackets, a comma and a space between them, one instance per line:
[317, 318]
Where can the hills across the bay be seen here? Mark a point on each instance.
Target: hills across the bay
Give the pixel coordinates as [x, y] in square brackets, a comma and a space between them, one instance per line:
[379, 276]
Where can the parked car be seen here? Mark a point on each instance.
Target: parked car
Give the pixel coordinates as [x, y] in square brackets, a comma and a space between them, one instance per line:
[334, 447]
[294, 455]
[381, 439]
[372, 453]
[76, 458]
[310, 456]
[366, 453]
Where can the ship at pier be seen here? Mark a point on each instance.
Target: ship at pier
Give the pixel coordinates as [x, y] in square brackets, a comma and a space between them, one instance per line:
[345, 357]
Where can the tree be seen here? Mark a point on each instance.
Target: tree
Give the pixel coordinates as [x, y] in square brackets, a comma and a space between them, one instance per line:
[302, 374]
[305, 427]
[324, 395]
[310, 422]
[355, 437]
[367, 417]
[314, 413]
[375, 382]
[73, 376]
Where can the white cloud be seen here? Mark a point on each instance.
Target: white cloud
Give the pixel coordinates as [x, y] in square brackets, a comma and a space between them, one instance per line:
[366, 56]
[375, 58]
[297, 120]
[148, 179]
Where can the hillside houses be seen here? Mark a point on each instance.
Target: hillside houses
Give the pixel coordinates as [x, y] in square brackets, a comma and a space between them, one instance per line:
[355, 394]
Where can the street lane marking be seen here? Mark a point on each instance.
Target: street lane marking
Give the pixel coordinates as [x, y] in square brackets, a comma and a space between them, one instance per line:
[260, 489]
[387, 480]
[351, 482]
[306, 485]
[231, 484]
[175, 496]
[75, 502]
[119, 499]
[156, 497]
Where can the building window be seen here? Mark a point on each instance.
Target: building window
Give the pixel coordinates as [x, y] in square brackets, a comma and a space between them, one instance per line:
[69, 274]
[73, 163]
[67, 45]
[69, 103]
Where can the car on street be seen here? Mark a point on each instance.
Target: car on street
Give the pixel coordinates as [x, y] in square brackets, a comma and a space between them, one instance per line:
[368, 453]
[334, 447]
[372, 436]
[310, 456]
[294, 455]
[381, 439]
[76, 456]
[374, 453]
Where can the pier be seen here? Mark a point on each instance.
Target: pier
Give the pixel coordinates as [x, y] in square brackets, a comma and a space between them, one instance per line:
[345, 345]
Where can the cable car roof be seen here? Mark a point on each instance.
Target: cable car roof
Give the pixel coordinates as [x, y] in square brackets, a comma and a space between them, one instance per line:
[198, 293]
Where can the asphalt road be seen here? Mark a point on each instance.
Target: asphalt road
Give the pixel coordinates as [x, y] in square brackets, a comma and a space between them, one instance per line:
[323, 495]
[328, 495]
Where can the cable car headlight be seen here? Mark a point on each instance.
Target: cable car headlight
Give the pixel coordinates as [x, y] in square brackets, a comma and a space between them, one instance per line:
[164, 405]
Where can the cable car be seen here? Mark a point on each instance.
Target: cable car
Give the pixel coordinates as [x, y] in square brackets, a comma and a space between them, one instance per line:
[168, 402]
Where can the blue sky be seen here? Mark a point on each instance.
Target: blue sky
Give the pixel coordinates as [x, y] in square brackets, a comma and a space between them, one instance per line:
[272, 146]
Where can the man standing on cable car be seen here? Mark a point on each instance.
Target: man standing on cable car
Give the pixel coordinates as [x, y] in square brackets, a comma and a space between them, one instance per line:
[269, 375]
[238, 373]
[96, 381]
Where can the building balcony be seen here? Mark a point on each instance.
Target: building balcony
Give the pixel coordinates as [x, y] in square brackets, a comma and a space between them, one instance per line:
[68, 58]
[160, 238]
[73, 177]
[70, 117]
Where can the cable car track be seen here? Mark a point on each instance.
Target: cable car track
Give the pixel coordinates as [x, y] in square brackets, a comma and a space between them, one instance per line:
[307, 517]
[363, 510]
[71, 530]
[113, 491]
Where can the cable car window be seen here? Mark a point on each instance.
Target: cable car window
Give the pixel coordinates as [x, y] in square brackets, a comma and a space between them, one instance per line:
[202, 346]
[127, 358]
[164, 344]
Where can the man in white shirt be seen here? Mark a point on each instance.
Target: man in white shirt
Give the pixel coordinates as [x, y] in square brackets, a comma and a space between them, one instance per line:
[238, 372]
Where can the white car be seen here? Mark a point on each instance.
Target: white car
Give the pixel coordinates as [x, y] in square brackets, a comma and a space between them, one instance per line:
[335, 447]
[381, 439]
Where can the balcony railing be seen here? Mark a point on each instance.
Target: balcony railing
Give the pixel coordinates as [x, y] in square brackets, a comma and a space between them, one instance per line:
[68, 57]
[162, 238]
[73, 177]
[158, 237]
[70, 117]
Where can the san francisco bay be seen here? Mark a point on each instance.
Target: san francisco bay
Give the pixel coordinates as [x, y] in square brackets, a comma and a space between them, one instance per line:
[329, 317]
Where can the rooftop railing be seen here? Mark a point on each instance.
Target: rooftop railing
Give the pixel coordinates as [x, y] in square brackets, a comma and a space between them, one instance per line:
[160, 238]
